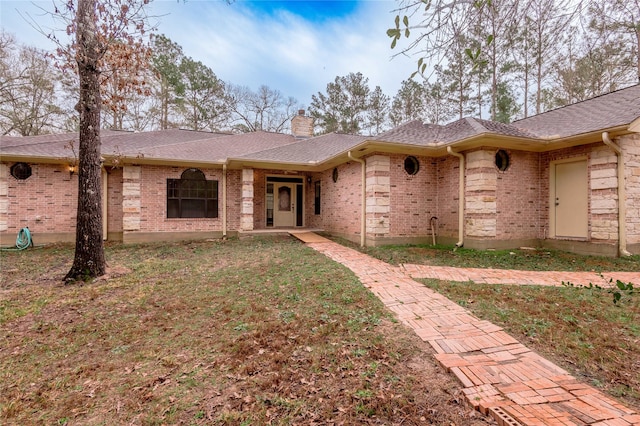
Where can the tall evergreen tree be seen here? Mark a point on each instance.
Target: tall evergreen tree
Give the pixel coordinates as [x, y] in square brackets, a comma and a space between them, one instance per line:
[165, 61]
[458, 76]
[546, 21]
[378, 111]
[506, 107]
[623, 17]
[438, 107]
[343, 107]
[408, 104]
[204, 106]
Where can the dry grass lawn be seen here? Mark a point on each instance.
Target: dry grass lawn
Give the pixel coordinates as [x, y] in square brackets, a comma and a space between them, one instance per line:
[243, 332]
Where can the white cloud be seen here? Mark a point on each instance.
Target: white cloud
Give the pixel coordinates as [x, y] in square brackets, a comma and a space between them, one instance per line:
[248, 46]
[286, 51]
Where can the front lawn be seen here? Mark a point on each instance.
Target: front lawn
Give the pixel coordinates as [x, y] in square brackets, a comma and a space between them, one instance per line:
[521, 259]
[251, 331]
[579, 328]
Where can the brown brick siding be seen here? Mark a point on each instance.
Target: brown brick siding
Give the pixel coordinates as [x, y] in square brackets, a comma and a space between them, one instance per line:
[413, 198]
[46, 202]
[340, 210]
[518, 198]
[153, 201]
[447, 172]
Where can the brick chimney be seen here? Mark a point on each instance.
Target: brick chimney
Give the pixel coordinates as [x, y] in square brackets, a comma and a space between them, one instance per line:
[302, 125]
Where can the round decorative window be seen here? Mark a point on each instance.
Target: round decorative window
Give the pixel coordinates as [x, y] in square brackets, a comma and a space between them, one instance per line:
[502, 160]
[411, 165]
[21, 171]
[334, 176]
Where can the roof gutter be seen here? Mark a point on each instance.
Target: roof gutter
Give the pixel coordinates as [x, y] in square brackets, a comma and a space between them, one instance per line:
[460, 242]
[363, 202]
[622, 209]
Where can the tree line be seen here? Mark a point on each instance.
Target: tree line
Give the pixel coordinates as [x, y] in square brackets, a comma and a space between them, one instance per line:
[494, 59]
[170, 90]
[509, 59]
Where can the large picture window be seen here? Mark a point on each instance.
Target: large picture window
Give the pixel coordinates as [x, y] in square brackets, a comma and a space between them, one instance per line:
[192, 196]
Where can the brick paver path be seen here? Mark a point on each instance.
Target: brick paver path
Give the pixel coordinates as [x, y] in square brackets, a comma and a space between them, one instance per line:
[502, 276]
[501, 377]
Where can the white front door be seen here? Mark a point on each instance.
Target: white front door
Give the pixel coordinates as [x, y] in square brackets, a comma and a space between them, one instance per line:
[284, 211]
[571, 200]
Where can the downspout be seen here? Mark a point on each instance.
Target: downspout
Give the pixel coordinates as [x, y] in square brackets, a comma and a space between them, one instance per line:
[363, 210]
[224, 201]
[460, 242]
[105, 204]
[622, 195]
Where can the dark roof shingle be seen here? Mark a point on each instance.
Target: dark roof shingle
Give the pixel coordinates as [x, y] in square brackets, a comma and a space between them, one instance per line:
[171, 144]
[418, 133]
[312, 150]
[603, 112]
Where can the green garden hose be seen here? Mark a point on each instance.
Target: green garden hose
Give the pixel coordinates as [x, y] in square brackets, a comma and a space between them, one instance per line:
[23, 240]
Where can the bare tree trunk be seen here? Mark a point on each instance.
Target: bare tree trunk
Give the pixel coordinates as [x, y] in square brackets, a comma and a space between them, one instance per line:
[539, 60]
[89, 260]
[460, 101]
[638, 51]
[526, 87]
[493, 61]
[164, 117]
[494, 83]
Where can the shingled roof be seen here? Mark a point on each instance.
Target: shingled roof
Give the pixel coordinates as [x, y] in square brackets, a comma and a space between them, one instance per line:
[619, 108]
[310, 151]
[611, 111]
[418, 133]
[171, 144]
[220, 148]
[113, 142]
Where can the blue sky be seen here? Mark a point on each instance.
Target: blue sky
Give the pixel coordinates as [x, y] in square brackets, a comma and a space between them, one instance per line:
[315, 11]
[296, 47]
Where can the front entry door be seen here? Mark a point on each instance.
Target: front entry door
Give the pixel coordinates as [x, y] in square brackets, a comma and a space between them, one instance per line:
[284, 211]
[571, 201]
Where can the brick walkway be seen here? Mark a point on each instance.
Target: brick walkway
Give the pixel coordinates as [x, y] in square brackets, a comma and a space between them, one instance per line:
[501, 377]
[502, 276]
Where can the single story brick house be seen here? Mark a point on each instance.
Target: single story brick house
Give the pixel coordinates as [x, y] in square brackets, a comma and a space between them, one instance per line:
[568, 178]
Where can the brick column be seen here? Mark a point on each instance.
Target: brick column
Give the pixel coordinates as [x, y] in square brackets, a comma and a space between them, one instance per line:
[630, 145]
[604, 194]
[480, 195]
[4, 197]
[131, 176]
[378, 195]
[246, 213]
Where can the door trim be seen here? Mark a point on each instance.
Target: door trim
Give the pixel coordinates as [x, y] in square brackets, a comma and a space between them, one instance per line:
[298, 184]
[552, 195]
[284, 204]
